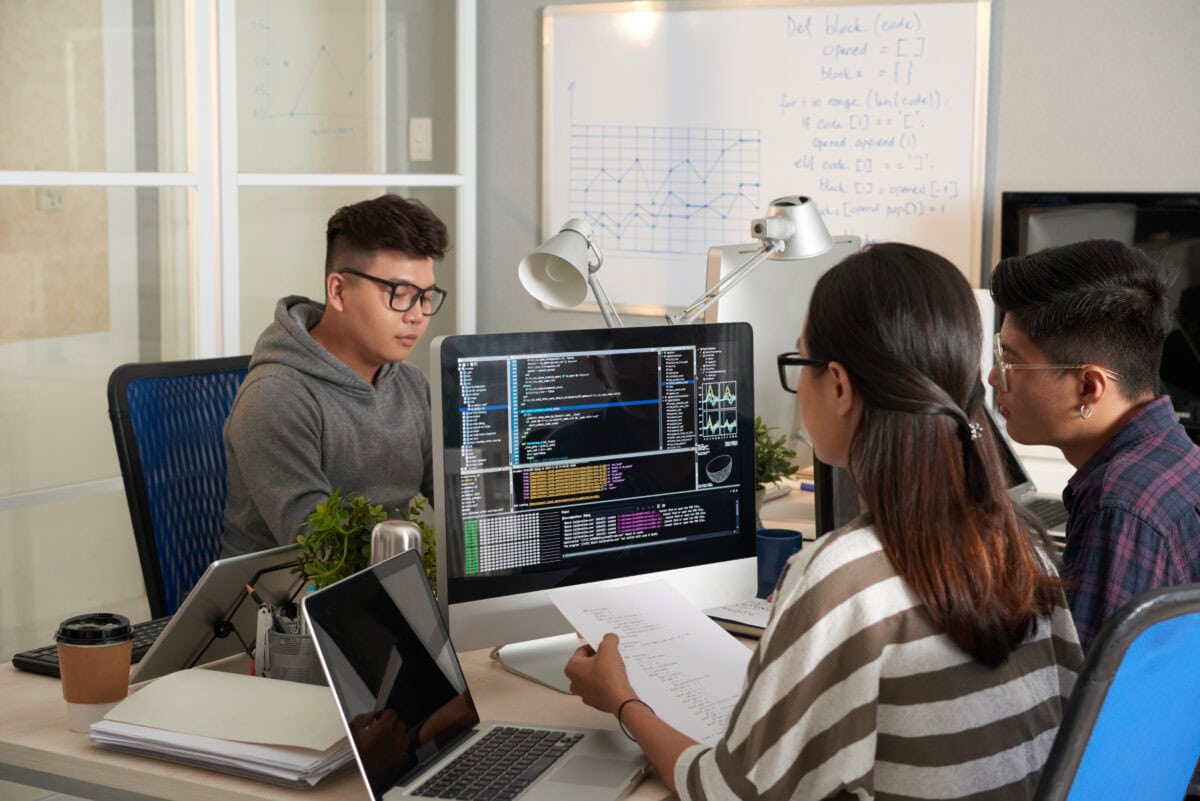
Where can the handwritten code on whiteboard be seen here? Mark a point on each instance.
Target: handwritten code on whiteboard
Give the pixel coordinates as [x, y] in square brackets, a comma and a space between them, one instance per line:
[670, 130]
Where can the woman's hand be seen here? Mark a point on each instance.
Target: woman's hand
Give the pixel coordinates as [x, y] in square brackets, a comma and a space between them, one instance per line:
[598, 676]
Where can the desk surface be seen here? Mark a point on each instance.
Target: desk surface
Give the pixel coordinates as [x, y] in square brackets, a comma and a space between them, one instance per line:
[37, 748]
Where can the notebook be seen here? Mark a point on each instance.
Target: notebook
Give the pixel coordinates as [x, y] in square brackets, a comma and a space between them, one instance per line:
[217, 618]
[413, 725]
[1046, 507]
[744, 618]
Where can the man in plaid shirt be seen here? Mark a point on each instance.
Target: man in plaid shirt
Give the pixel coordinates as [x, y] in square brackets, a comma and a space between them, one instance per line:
[1077, 361]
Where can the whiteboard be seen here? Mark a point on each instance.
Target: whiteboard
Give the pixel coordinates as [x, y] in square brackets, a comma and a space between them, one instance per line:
[670, 128]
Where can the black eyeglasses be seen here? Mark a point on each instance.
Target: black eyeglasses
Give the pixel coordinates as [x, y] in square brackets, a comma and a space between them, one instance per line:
[789, 368]
[405, 295]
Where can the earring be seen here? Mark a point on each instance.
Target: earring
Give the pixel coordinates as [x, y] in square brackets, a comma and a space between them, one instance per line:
[1084, 412]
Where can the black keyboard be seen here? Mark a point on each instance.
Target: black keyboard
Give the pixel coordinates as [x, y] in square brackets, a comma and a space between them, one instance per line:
[499, 765]
[44, 660]
[1050, 511]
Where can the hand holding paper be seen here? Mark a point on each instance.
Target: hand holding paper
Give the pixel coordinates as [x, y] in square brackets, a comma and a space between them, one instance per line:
[679, 662]
[599, 676]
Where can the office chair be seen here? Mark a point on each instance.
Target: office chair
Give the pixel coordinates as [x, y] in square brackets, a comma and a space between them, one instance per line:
[1132, 726]
[167, 419]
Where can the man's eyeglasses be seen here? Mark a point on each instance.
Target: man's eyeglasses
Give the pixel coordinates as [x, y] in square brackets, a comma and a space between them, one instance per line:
[405, 295]
[1002, 367]
[789, 368]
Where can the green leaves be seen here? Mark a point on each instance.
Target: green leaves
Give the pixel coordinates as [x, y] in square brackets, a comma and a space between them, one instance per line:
[772, 456]
[337, 538]
[428, 539]
[337, 541]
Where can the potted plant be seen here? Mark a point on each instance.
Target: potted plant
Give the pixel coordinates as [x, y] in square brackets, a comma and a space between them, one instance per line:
[772, 459]
[337, 538]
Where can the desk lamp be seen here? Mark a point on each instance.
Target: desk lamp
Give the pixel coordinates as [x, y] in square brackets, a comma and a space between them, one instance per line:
[554, 273]
[791, 230]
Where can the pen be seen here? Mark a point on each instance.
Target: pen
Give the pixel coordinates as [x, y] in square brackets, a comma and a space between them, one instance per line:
[808, 486]
[276, 623]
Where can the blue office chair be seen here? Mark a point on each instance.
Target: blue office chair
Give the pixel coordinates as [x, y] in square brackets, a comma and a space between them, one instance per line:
[1131, 729]
[167, 419]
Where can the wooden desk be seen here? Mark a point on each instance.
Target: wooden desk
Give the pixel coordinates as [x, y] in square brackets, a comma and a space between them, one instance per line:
[37, 748]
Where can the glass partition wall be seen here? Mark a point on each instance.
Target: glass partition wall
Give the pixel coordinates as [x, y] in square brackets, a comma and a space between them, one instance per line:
[166, 172]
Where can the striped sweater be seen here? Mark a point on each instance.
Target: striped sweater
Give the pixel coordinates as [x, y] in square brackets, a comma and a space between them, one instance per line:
[852, 693]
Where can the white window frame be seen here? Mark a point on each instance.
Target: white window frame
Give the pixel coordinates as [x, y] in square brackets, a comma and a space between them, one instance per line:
[213, 180]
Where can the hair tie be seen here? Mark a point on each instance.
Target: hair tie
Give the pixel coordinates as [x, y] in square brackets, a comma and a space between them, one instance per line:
[970, 431]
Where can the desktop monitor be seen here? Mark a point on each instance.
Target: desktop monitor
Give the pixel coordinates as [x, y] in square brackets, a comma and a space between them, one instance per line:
[774, 300]
[1164, 225]
[582, 456]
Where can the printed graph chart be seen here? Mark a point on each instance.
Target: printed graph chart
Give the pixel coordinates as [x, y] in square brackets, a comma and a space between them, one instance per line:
[665, 190]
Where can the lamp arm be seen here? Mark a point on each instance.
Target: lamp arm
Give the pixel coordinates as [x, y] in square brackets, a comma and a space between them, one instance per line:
[727, 283]
[607, 310]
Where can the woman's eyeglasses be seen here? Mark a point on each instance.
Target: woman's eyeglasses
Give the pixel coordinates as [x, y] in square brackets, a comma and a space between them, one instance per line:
[790, 365]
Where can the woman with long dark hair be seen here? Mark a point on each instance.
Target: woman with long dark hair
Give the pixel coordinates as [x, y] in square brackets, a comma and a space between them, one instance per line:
[924, 650]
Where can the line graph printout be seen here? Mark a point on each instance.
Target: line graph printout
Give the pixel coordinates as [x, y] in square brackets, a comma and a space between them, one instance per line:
[670, 129]
[664, 190]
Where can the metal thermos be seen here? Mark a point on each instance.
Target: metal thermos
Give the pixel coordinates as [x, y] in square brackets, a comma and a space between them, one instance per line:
[392, 537]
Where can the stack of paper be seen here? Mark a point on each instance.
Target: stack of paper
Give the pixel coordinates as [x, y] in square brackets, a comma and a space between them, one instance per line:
[278, 731]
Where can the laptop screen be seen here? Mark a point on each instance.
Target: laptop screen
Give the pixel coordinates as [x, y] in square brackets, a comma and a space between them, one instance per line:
[391, 667]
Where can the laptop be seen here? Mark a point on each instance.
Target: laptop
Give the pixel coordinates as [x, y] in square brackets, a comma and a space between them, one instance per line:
[1046, 507]
[217, 618]
[413, 725]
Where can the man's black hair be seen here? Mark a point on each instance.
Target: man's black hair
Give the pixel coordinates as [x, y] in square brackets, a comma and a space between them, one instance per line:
[1093, 302]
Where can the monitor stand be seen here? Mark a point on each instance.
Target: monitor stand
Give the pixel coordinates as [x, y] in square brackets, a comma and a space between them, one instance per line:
[541, 660]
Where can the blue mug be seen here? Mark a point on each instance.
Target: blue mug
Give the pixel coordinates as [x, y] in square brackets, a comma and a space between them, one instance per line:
[774, 546]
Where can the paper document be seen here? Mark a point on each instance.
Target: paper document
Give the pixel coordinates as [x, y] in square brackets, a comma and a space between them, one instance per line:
[681, 663]
[279, 731]
[235, 706]
[751, 612]
[744, 619]
[295, 767]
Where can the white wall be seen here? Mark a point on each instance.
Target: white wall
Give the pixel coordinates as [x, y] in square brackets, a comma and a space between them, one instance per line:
[1095, 95]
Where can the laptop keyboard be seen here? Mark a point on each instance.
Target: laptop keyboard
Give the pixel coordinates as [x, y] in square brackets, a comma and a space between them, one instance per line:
[499, 765]
[1050, 511]
[44, 659]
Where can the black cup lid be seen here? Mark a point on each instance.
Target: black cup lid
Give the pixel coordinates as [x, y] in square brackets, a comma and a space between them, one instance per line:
[97, 628]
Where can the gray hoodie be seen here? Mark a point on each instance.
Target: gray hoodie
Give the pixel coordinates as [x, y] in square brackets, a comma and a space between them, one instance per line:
[304, 424]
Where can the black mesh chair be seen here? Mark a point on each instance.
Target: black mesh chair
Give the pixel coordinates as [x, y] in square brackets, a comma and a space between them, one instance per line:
[1132, 726]
[167, 419]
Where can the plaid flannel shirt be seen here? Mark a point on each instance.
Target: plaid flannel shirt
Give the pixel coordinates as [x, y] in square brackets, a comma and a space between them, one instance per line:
[1134, 517]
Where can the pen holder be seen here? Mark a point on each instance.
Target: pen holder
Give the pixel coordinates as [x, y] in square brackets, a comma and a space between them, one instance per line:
[293, 657]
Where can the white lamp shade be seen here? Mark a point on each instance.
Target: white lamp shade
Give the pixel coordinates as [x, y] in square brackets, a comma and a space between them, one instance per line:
[556, 272]
[810, 237]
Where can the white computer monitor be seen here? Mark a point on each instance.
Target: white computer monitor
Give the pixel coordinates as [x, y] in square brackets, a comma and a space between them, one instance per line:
[774, 300]
[583, 456]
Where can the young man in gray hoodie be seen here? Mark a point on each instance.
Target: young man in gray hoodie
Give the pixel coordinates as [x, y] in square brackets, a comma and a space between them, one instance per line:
[328, 402]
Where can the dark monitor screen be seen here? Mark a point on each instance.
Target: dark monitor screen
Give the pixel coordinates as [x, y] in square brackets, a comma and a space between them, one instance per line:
[1164, 225]
[578, 456]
